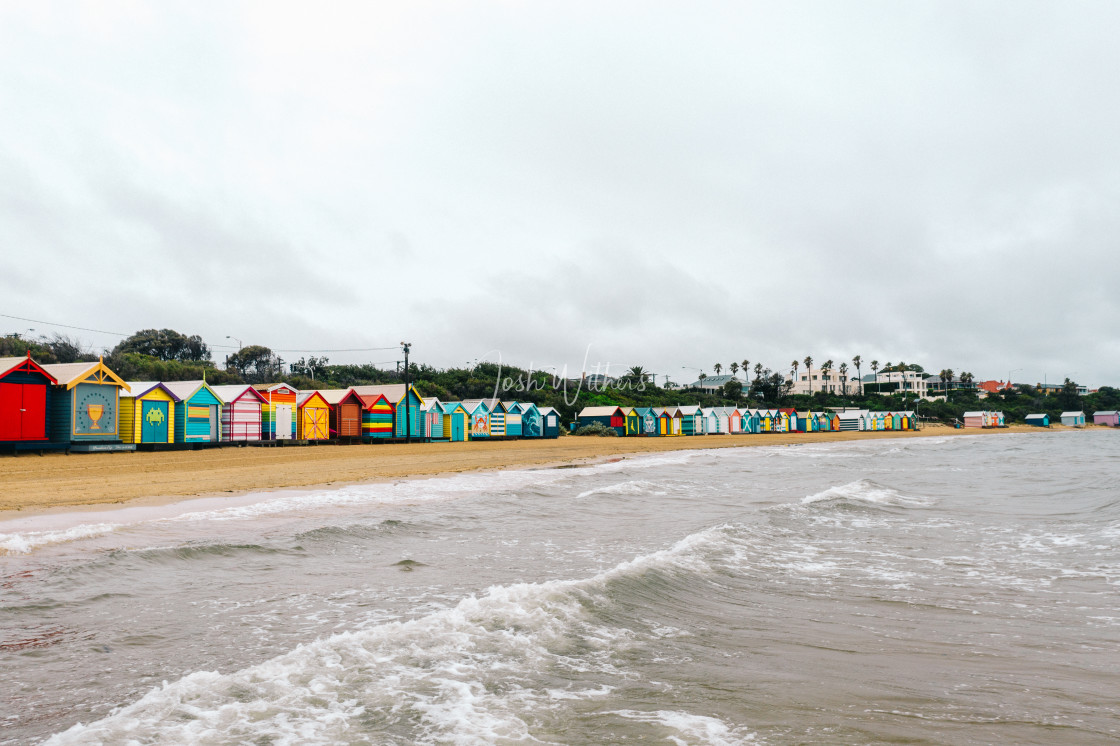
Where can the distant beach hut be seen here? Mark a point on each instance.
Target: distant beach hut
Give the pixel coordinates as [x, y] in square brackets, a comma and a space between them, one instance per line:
[377, 417]
[749, 421]
[85, 403]
[479, 420]
[633, 421]
[313, 416]
[242, 406]
[609, 416]
[1073, 419]
[25, 389]
[431, 419]
[497, 417]
[345, 414]
[692, 419]
[278, 416]
[1038, 420]
[852, 420]
[734, 420]
[406, 414]
[455, 421]
[973, 419]
[710, 420]
[828, 422]
[550, 423]
[198, 412]
[531, 424]
[647, 421]
[1110, 418]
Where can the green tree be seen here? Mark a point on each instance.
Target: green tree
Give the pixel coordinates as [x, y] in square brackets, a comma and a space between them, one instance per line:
[718, 367]
[844, 378]
[255, 363]
[733, 389]
[164, 344]
[857, 361]
[734, 368]
[809, 371]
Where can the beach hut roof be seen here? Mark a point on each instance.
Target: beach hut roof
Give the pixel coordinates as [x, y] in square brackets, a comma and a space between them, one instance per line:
[183, 390]
[273, 386]
[689, 409]
[1106, 412]
[548, 410]
[230, 392]
[71, 374]
[302, 399]
[1035, 416]
[139, 388]
[473, 405]
[599, 411]
[1073, 414]
[394, 392]
[8, 364]
[334, 396]
[973, 414]
[449, 407]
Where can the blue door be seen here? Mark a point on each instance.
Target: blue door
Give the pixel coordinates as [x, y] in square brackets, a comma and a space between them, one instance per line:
[457, 427]
[153, 422]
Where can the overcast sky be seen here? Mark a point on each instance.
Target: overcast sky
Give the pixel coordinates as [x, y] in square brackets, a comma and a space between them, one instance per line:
[663, 184]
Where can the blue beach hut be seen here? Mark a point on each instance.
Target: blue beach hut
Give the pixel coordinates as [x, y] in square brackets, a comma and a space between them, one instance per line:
[550, 422]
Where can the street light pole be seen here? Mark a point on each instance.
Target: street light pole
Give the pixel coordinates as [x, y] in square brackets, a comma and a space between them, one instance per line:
[407, 401]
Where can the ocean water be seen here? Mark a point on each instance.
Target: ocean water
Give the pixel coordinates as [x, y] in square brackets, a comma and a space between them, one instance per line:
[958, 590]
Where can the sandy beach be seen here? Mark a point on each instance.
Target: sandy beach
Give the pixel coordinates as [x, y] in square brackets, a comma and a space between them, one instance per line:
[57, 481]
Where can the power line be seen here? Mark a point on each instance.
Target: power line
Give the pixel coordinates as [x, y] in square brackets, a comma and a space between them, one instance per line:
[214, 347]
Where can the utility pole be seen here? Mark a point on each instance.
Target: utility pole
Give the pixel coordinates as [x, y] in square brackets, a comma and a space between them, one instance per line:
[407, 401]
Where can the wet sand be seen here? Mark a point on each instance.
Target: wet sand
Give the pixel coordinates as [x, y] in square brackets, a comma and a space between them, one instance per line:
[57, 481]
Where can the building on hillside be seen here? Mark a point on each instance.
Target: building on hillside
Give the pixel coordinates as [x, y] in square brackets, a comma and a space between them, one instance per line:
[711, 384]
[830, 382]
[994, 387]
[906, 382]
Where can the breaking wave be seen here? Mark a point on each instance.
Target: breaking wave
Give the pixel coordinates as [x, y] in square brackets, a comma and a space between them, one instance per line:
[864, 492]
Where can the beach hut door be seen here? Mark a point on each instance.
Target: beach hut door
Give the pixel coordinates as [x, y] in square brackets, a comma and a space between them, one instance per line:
[153, 427]
[215, 431]
[283, 421]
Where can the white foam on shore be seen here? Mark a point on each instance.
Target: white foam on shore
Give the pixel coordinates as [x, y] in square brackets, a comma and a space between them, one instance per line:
[866, 492]
[692, 729]
[466, 674]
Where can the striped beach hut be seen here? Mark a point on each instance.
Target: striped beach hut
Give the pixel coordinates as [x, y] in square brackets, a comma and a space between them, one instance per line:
[377, 417]
[407, 404]
[313, 416]
[1111, 418]
[550, 422]
[242, 406]
[514, 421]
[497, 417]
[198, 412]
[147, 413]
[25, 390]
[346, 413]
[609, 416]
[1073, 419]
[1038, 420]
[431, 417]
[692, 419]
[456, 421]
[478, 418]
[85, 404]
[278, 416]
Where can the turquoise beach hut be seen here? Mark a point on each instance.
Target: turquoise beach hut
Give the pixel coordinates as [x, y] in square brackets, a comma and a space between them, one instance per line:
[531, 423]
[198, 412]
[550, 422]
[514, 419]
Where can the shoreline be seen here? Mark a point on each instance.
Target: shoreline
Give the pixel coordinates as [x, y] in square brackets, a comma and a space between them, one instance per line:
[57, 483]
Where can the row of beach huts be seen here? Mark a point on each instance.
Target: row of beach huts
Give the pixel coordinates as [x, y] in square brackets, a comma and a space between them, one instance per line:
[87, 407]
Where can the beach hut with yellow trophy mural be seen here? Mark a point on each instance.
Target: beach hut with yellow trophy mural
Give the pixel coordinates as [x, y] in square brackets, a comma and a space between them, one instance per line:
[85, 407]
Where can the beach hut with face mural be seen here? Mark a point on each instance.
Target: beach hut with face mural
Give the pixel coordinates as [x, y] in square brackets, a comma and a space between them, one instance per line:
[550, 422]
[407, 405]
[1073, 419]
[514, 422]
[345, 414]
[1110, 418]
[478, 418]
[313, 416]
[241, 412]
[456, 421]
[25, 390]
[198, 412]
[85, 406]
[608, 416]
[278, 416]
[1038, 420]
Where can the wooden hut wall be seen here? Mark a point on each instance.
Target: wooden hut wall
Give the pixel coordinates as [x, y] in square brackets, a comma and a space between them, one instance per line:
[514, 423]
[198, 418]
[85, 410]
[280, 408]
[550, 423]
[377, 418]
[313, 418]
[346, 416]
[414, 423]
[148, 417]
[25, 396]
[241, 417]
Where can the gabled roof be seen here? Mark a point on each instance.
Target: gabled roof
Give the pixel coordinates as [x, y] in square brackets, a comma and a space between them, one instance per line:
[335, 396]
[1073, 414]
[369, 400]
[394, 392]
[1040, 416]
[183, 390]
[274, 386]
[548, 410]
[1106, 412]
[143, 388]
[231, 392]
[449, 407]
[432, 403]
[8, 364]
[305, 399]
[688, 409]
[973, 414]
[600, 411]
[473, 405]
[71, 374]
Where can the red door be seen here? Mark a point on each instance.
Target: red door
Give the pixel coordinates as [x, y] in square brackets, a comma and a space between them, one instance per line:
[34, 412]
[11, 419]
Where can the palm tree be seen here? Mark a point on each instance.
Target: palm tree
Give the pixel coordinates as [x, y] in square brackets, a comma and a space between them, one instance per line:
[875, 370]
[746, 365]
[718, 368]
[794, 365]
[844, 377]
[966, 379]
[758, 370]
[734, 368]
[826, 370]
[809, 372]
[637, 373]
[857, 361]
